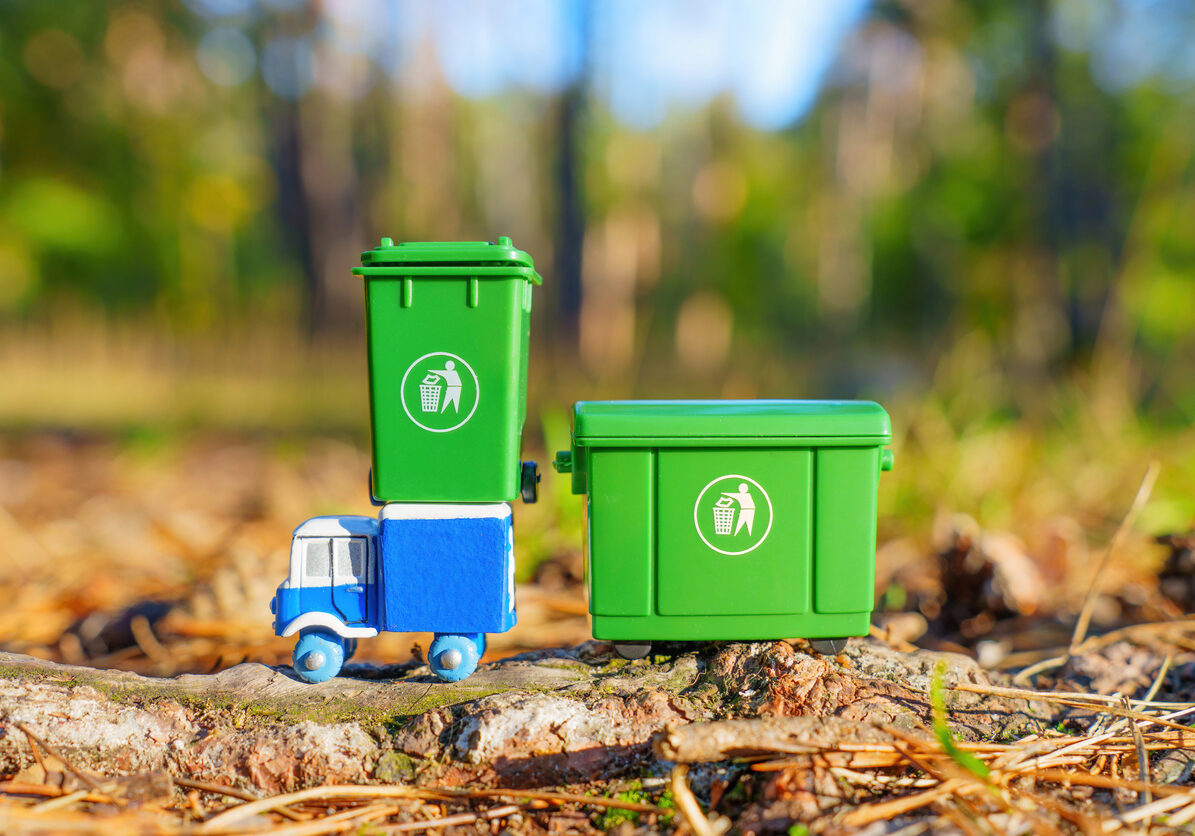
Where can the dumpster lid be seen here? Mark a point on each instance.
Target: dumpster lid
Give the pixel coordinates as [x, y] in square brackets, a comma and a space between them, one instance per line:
[423, 254]
[747, 422]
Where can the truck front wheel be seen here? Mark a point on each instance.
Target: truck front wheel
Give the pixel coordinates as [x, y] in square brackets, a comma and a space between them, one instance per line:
[318, 656]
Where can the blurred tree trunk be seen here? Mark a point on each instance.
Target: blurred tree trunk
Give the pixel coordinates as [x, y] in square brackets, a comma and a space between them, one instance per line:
[329, 176]
[570, 202]
[293, 209]
[317, 205]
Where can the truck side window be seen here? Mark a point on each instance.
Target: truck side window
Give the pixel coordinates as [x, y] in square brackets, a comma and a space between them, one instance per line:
[316, 562]
[350, 558]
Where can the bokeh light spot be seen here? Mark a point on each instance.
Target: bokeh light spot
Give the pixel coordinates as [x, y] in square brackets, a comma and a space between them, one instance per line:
[720, 191]
[17, 277]
[704, 329]
[54, 58]
[217, 202]
[287, 66]
[226, 56]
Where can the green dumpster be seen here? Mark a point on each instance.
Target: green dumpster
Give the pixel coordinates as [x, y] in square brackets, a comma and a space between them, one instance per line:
[447, 333]
[721, 520]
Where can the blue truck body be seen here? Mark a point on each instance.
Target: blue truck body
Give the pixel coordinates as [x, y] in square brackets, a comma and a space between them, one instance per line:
[440, 568]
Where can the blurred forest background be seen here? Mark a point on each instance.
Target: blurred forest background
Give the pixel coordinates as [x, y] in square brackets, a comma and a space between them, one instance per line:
[979, 214]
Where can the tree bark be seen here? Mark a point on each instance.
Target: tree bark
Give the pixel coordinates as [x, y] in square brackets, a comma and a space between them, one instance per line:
[541, 719]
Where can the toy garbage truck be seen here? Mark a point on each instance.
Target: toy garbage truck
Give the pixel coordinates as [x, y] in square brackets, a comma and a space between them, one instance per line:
[447, 331]
[729, 520]
[420, 567]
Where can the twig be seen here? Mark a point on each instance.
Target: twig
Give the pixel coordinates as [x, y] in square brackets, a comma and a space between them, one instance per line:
[1182, 817]
[1161, 677]
[1025, 675]
[196, 805]
[1069, 697]
[23, 788]
[448, 821]
[1152, 808]
[687, 804]
[1129, 633]
[36, 753]
[344, 791]
[143, 634]
[1143, 492]
[61, 801]
[232, 792]
[892, 641]
[1142, 760]
[52, 752]
[882, 810]
[1058, 776]
[335, 823]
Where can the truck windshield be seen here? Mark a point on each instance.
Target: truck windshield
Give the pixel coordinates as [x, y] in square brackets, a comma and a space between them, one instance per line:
[317, 559]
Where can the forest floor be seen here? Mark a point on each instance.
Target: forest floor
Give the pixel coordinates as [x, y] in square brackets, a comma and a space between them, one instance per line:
[142, 689]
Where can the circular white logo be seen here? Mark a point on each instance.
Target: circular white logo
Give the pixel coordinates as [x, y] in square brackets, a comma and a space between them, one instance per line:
[439, 392]
[733, 514]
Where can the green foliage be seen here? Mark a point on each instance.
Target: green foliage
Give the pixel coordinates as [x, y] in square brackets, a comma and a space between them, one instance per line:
[611, 817]
[985, 192]
[54, 214]
[942, 730]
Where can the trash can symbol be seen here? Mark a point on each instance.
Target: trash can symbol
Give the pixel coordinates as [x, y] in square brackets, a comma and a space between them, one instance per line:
[429, 393]
[724, 515]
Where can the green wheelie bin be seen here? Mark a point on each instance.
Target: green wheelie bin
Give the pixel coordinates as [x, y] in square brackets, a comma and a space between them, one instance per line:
[729, 520]
[447, 330]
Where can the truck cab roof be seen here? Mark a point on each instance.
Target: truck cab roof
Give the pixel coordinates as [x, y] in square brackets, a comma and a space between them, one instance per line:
[338, 526]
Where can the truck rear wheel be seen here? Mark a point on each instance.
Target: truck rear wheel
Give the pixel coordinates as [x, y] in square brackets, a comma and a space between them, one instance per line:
[453, 656]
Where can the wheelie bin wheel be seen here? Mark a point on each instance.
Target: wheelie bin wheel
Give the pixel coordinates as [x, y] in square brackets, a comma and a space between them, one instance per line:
[529, 482]
[632, 650]
[829, 647]
[318, 656]
[453, 656]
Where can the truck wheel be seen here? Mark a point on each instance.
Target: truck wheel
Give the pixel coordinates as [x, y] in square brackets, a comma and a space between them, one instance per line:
[829, 647]
[318, 655]
[632, 650]
[453, 656]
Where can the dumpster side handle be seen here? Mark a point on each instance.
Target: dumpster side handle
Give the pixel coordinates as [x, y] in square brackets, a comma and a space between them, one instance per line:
[563, 463]
[887, 460]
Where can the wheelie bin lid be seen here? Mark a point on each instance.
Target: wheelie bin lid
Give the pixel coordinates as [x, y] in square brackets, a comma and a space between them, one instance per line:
[727, 423]
[448, 259]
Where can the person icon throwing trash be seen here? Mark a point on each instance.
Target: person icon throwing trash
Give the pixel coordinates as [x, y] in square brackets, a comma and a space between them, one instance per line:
[733, 514]
[746, 507]
[452, 384]
[439, 392]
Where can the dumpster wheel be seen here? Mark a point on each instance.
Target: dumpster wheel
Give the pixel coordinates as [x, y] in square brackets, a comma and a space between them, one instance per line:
[632, 650]
[829, 647]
